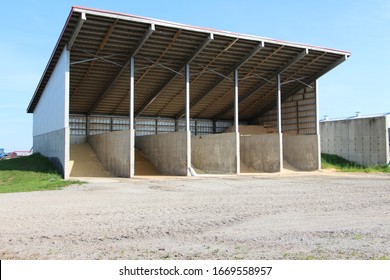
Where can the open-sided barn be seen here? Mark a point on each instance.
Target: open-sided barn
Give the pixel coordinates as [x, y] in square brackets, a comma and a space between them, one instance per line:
[121, 82]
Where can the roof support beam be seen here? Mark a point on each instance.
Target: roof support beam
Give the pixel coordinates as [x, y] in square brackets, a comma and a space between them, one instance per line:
[299, 87]
[91, 65]
[131, 56]
[154, 96]
[131, 119]
[279, 119]
[188, 127]
[254, 51]
[76, 31]
[236, 122]
[264, 82]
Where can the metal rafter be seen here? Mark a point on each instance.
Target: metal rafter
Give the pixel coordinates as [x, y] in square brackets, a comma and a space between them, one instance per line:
[300, 80]
[204, 69]
[131, 55]
[177, 34]
[264, 82]
[299, 87]
[198, 50]
[245, 77]
[148, 69]
[254, 51]
[91, 65]
[76, 31]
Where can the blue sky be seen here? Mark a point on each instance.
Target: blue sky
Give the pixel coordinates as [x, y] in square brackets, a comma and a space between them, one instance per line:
[29, 31]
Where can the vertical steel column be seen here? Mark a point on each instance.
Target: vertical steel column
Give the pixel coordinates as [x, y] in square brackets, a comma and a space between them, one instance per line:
[131, 93]
[317, 109]
[188, 131]
[318, 124]
[132, 132]
[279, 120]
[187, 97]
[235, 100]
[176, 125]
[87, 126]
[236, 121]
[65, 160]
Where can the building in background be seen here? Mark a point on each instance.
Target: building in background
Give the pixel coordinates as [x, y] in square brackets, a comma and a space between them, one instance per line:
[361, 139]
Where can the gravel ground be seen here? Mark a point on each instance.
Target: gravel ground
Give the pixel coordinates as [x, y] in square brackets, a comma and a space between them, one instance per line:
[317, 215]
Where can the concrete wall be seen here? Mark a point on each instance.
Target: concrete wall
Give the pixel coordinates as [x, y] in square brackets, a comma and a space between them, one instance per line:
[301, 151]
[363, 140]
[261, 152]
[214, 153]
[51, 117]
[113, 151]
[168, 151]
[55, 146]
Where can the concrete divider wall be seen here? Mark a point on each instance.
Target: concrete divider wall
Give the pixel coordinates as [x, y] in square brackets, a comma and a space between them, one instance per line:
[113, 151]
[214, 153]
[261, 152]
[364, 140]
[168, 151]
[301, 151]
[55, 146]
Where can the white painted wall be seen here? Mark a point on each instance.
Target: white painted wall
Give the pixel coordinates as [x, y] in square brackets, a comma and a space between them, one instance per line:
[52, 110]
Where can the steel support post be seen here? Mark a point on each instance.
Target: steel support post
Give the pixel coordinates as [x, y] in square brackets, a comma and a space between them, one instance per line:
[188, 131]
[236, 120]
[318, 129]
[131, 117]
[87, 126]
[279, 119]
[187, 70]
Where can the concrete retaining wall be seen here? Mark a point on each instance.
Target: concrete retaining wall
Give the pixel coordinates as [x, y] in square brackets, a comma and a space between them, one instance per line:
[55, 146]
[301, 151]
[113, 151]
[168, 151]
[214, 153]
[261, 152]
[364, 140]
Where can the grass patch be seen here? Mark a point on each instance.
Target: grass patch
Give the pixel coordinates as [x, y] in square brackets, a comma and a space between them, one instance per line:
[32, 173]
[341, 164]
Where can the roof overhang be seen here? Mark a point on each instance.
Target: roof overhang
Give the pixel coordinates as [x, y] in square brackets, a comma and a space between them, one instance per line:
[103, 42]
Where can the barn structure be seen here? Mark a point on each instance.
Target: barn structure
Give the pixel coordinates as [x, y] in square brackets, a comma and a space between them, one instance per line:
[180, 95]
[363, 139]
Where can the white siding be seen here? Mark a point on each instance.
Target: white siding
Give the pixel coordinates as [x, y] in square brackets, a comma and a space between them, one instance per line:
[52, 111]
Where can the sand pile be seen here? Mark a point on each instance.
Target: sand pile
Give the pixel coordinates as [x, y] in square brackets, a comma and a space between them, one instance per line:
[143, 167]
[84, 162]
[246, 169]
[253, 129]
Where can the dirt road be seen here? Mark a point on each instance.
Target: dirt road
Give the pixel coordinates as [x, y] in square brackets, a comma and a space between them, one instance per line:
[276, 216]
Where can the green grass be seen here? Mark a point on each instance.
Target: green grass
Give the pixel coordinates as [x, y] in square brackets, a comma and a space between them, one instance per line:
[32, 173]
[340, 164]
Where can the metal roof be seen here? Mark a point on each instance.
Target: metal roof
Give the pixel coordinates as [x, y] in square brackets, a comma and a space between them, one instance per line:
[102, 43]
